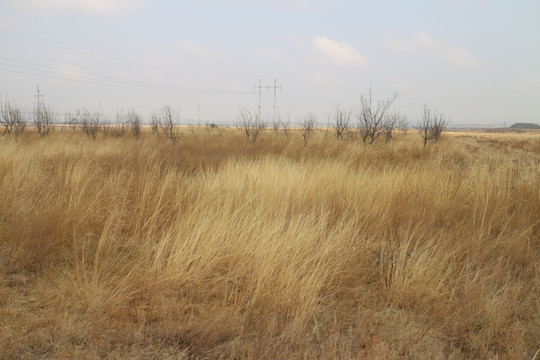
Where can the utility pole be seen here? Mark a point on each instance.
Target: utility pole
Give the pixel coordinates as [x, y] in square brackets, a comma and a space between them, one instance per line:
[260, 87]
[275, 87]
[38, 96]
[38, 108]
[275, 93]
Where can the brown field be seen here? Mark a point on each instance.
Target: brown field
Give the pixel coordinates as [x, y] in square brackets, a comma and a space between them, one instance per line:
[220, 248]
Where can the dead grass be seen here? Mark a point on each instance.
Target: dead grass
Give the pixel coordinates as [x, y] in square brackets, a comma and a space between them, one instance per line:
[219, 248]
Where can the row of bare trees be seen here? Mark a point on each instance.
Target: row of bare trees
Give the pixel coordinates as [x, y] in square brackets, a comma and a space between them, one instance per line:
[13, 120]
[93, 122]
[373, 119]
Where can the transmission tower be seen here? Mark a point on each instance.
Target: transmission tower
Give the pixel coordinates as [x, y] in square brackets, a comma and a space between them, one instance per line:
[275, 87]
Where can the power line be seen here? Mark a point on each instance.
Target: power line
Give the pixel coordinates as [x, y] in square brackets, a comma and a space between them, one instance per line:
[118, 82]
[84, 72]
[143, 60]
[86, 43]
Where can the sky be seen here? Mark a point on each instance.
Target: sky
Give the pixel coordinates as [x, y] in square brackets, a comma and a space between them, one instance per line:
[475, 61]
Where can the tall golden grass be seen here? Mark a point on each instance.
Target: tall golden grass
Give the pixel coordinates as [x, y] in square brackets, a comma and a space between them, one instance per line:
[220, 248]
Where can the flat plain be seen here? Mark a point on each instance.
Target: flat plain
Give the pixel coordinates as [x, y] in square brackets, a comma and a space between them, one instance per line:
[217, 247]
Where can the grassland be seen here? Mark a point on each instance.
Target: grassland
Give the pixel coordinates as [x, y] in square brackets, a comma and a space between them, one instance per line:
[220, 248]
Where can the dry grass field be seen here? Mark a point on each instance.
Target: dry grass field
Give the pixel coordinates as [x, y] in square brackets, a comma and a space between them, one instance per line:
[218, 248]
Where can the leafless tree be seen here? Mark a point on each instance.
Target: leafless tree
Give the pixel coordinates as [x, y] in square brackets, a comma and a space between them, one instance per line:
[327, 128]
[90, 122]
[118, 128]
[245, 122]
[432, 125]
[286, 125]
[307, 126]
[8, 113]
[134, 122]
[155, 124]
[250, 126]
[106, 127]
[275, 127]
[43, 120]
[389, 126]
[71, 121]
[169, 119]
[18, 128]
[342, 120]
[403, 125]
[371, 117]
[12, 119]
[256, 129]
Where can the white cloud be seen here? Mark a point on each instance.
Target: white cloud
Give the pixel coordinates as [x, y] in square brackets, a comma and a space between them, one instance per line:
[100, 7]
[195, 51]
[70, 72]
[190, 48]
[315, 77]
[338, 53]
[401, 85]
[422, 43]
[460, 57]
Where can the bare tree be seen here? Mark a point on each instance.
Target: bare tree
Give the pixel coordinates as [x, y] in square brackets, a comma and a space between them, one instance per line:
[432, 125]
[440, 123]
[286, 125]
[169, 119]
[256, 129]
[18, 127]
[371, 118]
[403, 125]
[245, 122]
[118, 129]
[155, 124]
[106, 127]
[326, 129]
[306, 127]
[43, 120]
[12, 119]
[389, 126]
[276, 124]
[250, 126]
[342, 120]
[7, 116]
[90, 122]
[71, 121]
[134, 123]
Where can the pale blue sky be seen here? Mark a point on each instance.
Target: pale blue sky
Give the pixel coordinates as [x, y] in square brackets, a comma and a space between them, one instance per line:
[477, 61]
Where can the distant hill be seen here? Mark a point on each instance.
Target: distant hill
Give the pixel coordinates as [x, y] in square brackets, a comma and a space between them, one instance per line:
[527, 126]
